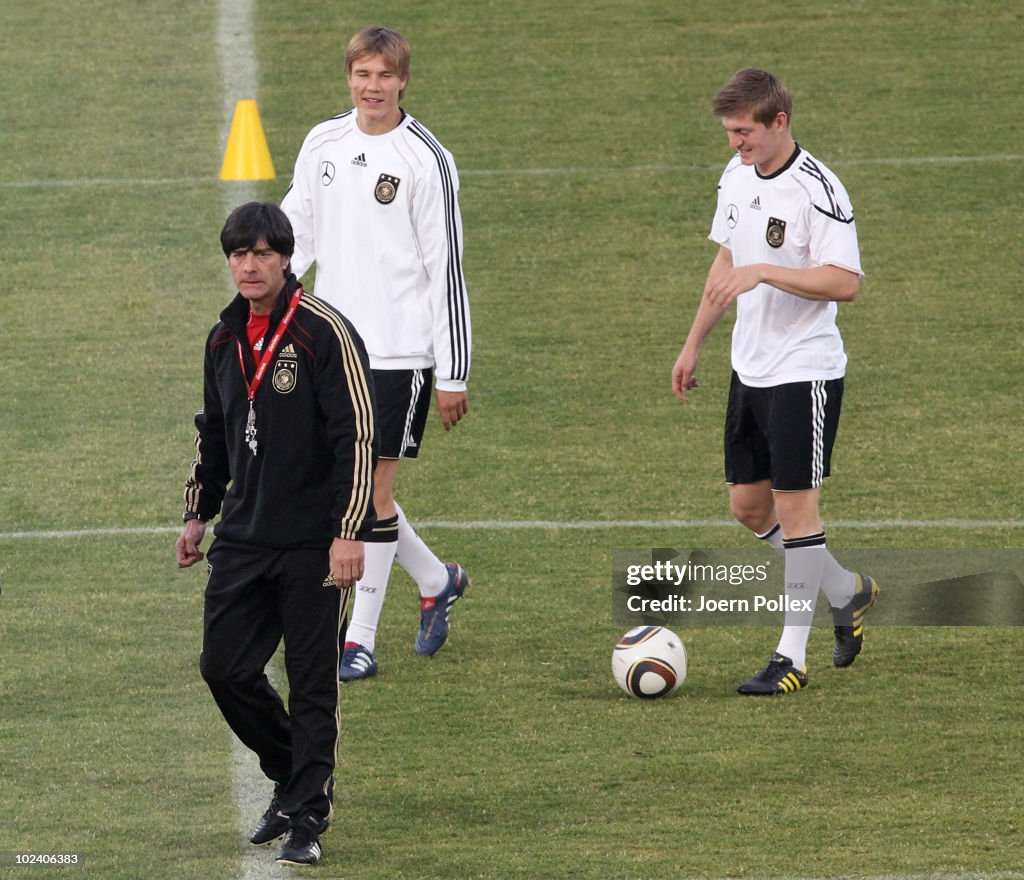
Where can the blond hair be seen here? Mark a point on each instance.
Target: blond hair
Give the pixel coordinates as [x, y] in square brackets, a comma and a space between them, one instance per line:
[389, 44]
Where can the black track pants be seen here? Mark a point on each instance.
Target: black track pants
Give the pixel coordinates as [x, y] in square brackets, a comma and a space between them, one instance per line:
[254, 597]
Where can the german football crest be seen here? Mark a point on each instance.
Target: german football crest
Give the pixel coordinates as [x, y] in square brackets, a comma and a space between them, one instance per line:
[285, 374]
[776, 233]
[386, 189]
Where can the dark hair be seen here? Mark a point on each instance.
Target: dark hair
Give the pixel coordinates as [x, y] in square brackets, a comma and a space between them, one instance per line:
[753, 91]
[253, 221]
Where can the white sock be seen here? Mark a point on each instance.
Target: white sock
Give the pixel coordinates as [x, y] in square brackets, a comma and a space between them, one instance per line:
[419, 560]
[370, 591]
[773, 537]
[793, 641]
[805, 566]
[838, 583]
[796, 627]
[809, 568]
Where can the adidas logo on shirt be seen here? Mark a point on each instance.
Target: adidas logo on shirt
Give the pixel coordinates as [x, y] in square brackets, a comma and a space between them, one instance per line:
[360, 160]
[756, 204]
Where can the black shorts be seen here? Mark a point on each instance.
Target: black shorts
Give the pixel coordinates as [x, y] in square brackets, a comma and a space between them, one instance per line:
[403, 402]
[784, 433]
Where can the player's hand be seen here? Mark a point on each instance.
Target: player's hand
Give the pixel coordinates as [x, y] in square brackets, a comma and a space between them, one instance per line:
[452, 406]
[347, 560]
[683, 373]
[186, 548]
[725, 287]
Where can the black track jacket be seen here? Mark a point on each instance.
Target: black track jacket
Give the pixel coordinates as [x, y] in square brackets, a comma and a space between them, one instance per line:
[311, 479]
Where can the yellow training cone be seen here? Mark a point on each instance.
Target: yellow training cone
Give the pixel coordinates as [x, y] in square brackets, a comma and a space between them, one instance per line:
[247, 156]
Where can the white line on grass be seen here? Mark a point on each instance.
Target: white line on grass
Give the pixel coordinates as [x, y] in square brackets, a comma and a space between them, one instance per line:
[557, 171]
[237, 54]
[669, 168]
[497, 525]
[240, 77]
[970, 875]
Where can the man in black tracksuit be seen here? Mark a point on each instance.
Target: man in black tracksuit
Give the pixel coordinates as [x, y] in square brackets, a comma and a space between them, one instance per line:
[285, 452]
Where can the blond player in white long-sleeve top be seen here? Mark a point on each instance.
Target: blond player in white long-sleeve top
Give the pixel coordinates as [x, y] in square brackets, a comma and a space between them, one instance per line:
[374, 204]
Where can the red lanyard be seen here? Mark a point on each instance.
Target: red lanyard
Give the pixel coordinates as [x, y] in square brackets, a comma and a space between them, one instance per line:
[253, 386]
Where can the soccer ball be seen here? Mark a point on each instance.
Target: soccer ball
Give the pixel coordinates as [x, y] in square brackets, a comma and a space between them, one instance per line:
[649, 662]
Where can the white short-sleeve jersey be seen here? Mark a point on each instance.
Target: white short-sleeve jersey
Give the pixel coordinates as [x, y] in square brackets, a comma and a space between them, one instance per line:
[379, 215]
[800, 217]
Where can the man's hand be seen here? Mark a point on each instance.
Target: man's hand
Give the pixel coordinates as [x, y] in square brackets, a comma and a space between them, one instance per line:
[683, 373]
[346, 559]
[725, 287]
[709, 313]
[451, 406]
[186, 548]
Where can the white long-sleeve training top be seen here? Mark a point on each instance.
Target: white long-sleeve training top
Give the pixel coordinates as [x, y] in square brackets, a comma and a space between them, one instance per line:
[379, 215]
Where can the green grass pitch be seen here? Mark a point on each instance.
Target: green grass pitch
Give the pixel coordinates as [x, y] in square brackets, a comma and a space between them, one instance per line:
[589, 161]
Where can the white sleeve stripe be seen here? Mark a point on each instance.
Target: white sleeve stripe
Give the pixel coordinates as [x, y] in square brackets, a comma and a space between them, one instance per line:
[458, 337]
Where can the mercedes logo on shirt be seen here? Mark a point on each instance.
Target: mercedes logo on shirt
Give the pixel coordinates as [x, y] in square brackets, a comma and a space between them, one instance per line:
[326, 172]
[732, 216]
